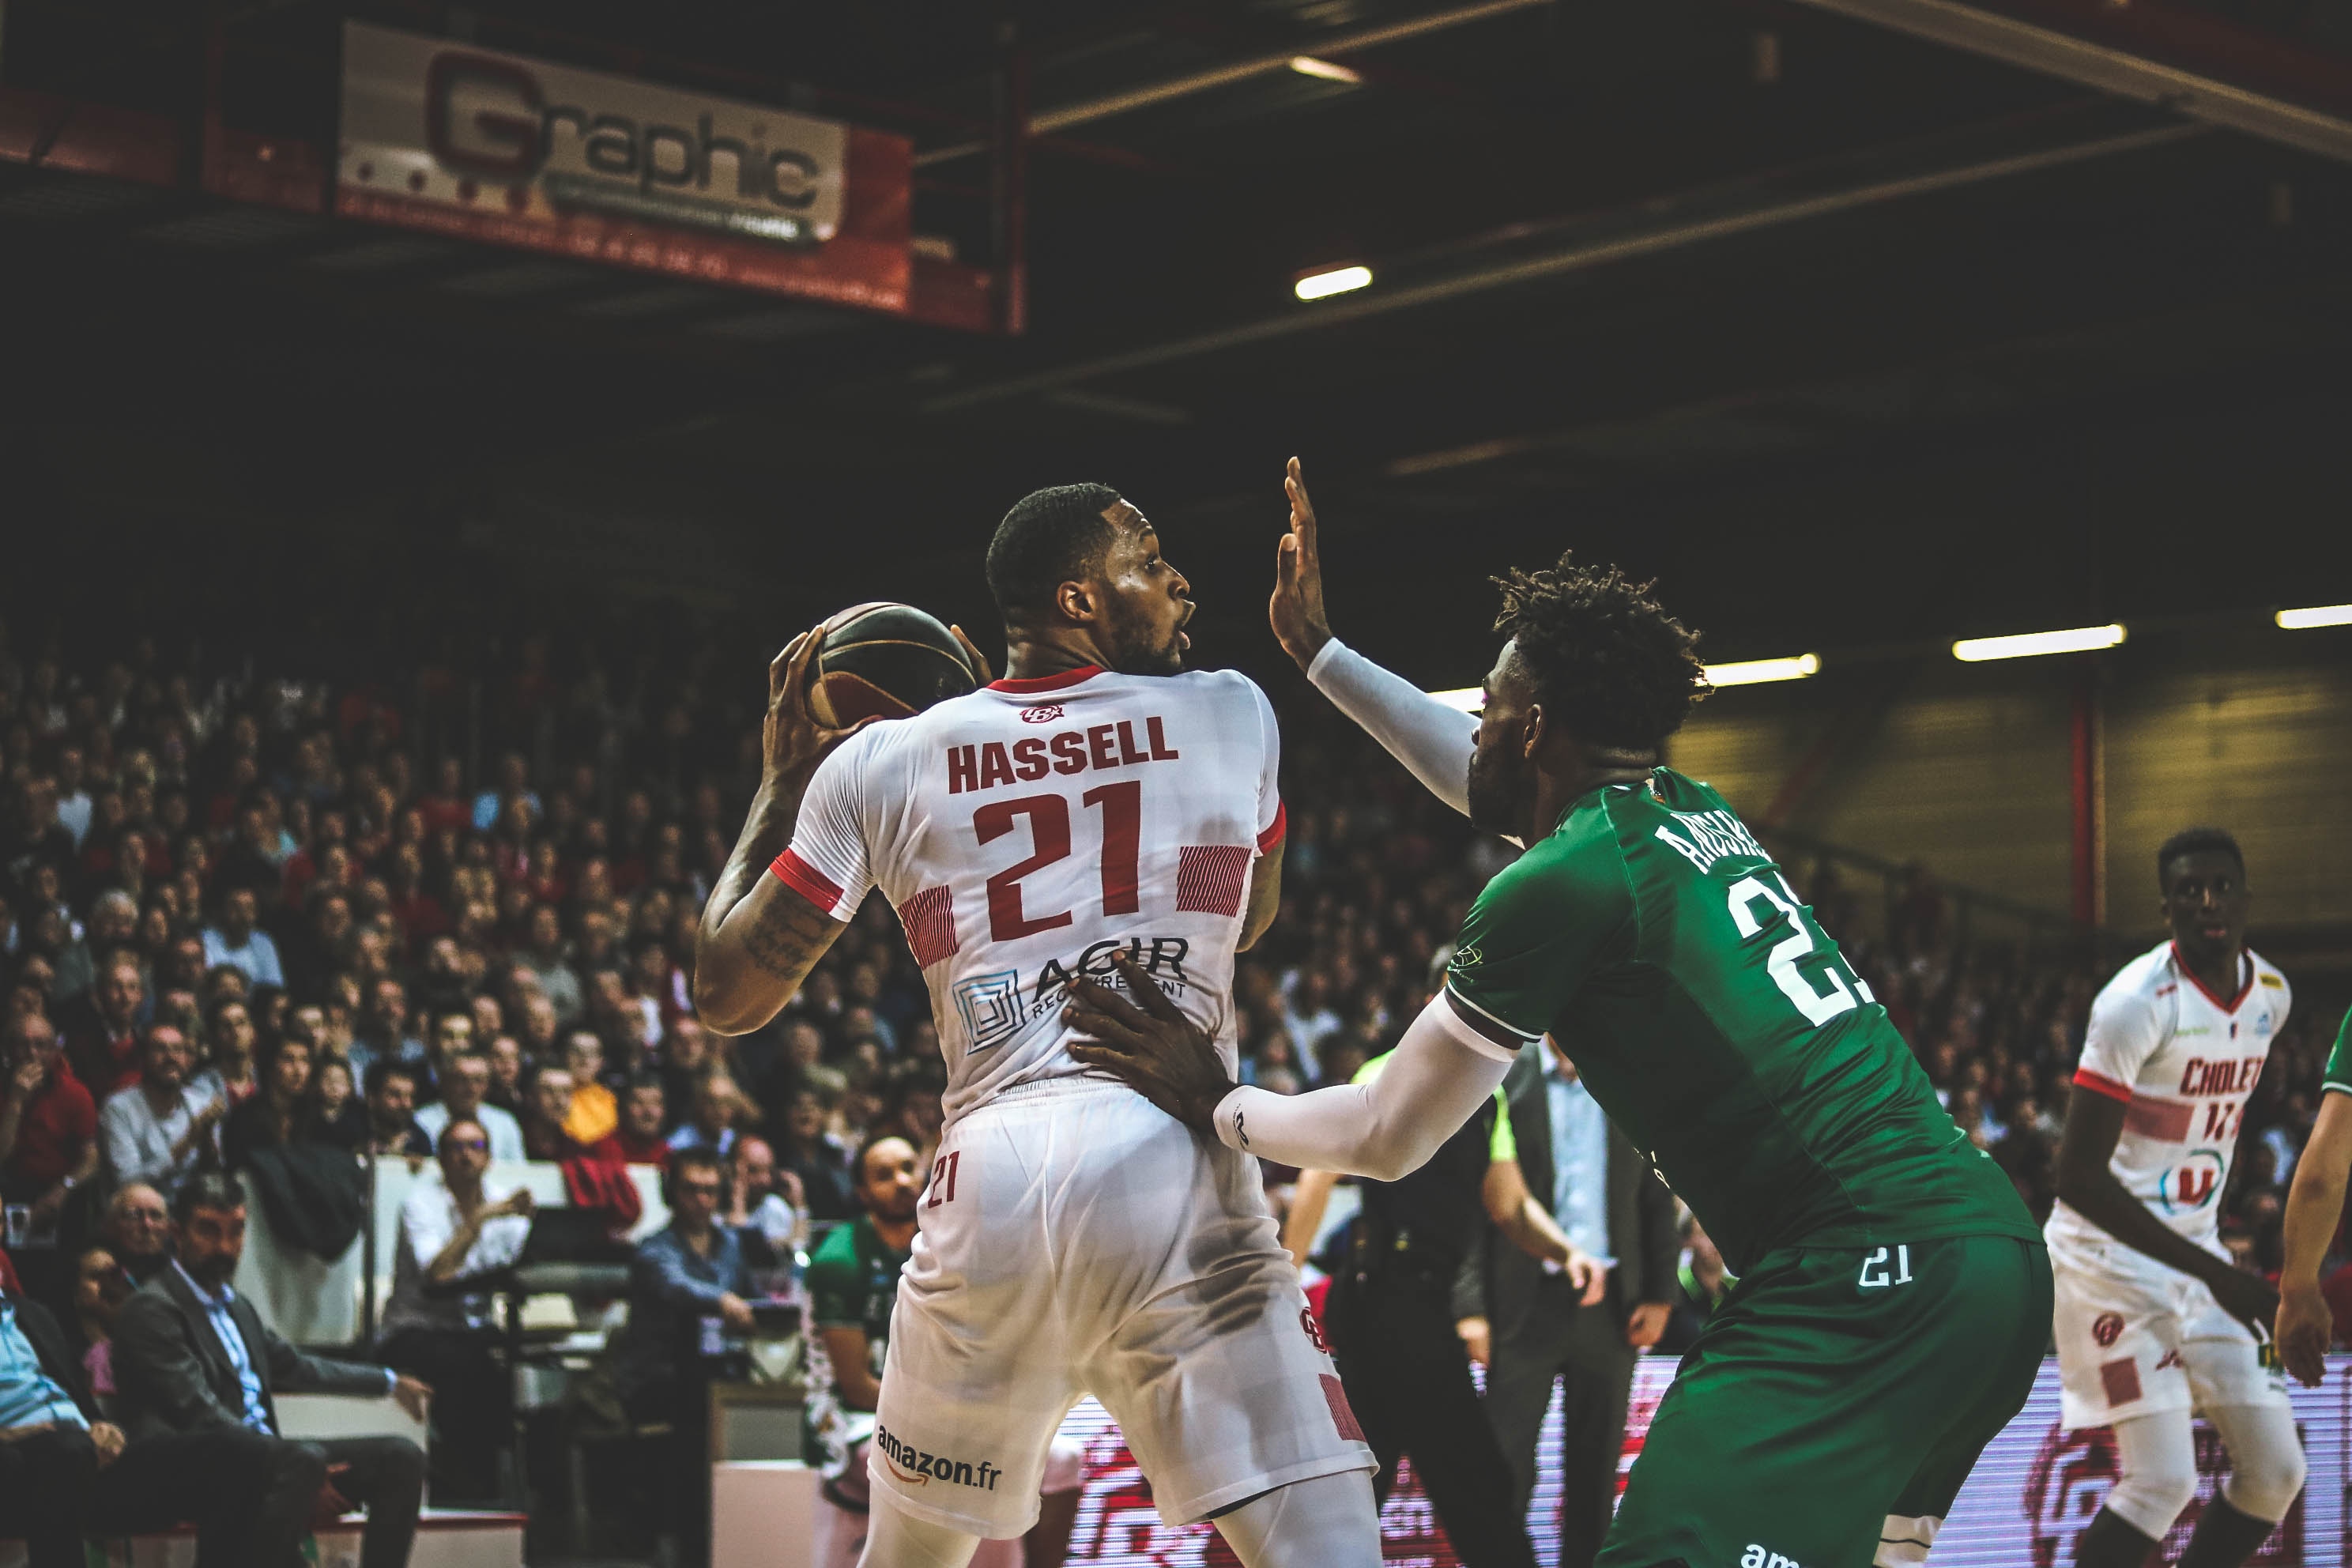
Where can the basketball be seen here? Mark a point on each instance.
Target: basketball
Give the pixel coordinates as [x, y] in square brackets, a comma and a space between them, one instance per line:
[885, 661]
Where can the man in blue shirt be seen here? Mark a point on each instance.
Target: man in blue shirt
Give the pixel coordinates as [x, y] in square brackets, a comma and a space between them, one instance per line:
[66, 1473]
[191, 1355]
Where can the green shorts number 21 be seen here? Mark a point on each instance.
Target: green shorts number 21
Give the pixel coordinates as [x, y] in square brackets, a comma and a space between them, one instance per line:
[1839, 1397]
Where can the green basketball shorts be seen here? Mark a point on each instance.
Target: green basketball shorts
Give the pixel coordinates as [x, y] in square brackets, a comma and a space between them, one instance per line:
[1829, 1413]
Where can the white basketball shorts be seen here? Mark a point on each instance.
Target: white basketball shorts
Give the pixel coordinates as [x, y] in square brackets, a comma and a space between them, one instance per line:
[1076, 1240]
[2135, 1338]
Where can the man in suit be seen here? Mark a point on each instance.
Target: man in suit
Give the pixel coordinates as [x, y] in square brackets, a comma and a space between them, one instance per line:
[66, 1472]
[191, 1355]
[1604, 1196]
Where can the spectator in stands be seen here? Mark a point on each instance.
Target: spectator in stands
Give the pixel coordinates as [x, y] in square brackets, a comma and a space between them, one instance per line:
[547, 961]
[102, 1036]
[275, 1115]
[392, 1113]
[687, 1274]
[507, 1069]
[231, 1072]
[334, 1114]
[138, 1231]
[813, 1158]
[638, 1139]
[161, 1127]
[595, 1112]
[170, 1380]
[49, 1143]
[544, 1109]
[464, 1085]
[101, 1287]
[238, 942]
[67, 1472]
[764, 1204]
[717, 1105]
[383, 1032]
[451, 1231]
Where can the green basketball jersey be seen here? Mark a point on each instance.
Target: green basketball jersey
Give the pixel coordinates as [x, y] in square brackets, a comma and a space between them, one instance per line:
[853, 1283]
[2338, 1076]
[1721, 1030]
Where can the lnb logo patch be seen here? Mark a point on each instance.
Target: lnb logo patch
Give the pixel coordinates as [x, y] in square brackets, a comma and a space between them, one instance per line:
[991, 1007]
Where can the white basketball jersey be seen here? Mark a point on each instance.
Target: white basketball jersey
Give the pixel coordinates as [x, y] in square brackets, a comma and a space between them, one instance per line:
[1031, 830]
[2183, 1061]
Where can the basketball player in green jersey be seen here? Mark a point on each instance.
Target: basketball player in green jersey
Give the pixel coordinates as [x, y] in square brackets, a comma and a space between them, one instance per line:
[2315, 1209]
[1893, 1299]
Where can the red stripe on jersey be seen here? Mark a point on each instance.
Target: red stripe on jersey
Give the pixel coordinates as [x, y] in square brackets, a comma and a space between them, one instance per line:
[929, 920]
[1344, 1418]
[807, 881]
[1275, 829]
[2181, 964]
[2165, 1119]
[2098, 1083]
[1209, 879]
[1047, 682]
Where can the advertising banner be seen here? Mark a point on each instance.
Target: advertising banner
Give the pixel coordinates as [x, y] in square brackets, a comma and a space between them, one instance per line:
[2032, 1493]
[501, 148]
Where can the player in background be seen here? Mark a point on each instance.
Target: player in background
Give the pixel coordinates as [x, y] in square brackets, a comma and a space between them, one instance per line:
[1100, 802]
[1894, 1295]
[2153, 1318]
[853, 1283]
[2315, 1209]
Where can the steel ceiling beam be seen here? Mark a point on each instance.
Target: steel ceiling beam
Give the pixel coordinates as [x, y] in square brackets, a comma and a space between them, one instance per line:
[1049, 121]
[2109, 69]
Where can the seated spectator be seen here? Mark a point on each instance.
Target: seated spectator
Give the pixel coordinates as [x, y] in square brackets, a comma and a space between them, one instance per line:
[687, 1274]
[161, 1127]
[191, 1355]
[593, 1112]
[101, 1287]
[508, 1069]
[392, 1113]
[274, 1115]
[638, 1140]
[383, 1032]
[465, 1083]
[236, 941]
[717, 1105]
[49, 1143]
[66, 1472]
[231, 1072]
[138, 1231]
[811, 1156]
[454, 1231]
[334, 1114]
[764, 1204]
[543, 1137]
[102, 1032]
[545, 957]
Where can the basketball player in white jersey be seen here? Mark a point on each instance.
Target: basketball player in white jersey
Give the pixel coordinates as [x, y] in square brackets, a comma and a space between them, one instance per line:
[2152, 1317]
[1101, 812]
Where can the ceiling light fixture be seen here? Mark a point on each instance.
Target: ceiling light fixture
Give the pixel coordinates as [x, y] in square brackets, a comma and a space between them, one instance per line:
[1754, 671]
[2320, 616]
[1338, 280]
[2078, 640]
[1328, 70]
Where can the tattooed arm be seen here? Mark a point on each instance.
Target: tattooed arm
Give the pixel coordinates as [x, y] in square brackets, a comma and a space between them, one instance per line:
[760, 938]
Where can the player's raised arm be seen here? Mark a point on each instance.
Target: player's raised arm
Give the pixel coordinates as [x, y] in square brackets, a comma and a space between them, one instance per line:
[760, 936]
[1433, 741]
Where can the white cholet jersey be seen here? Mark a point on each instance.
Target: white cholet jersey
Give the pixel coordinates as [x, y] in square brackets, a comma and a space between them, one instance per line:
[2183, 1062]
[1031, 830]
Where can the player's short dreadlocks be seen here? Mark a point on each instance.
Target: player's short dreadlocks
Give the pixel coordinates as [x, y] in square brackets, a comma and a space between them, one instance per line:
[1602, 654]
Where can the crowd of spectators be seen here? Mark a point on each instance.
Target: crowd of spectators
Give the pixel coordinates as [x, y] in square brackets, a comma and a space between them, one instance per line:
[240, 912]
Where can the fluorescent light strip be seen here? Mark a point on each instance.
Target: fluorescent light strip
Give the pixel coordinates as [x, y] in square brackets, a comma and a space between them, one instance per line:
[1748, 672]
[1328, 70]
[2321, 616]
[1338, 281]
[2078, 640]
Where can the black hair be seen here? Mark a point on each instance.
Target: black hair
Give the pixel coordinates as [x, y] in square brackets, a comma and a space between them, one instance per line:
[696, 1155]
[1601, 653]
[1050, 537]
[381, 1072]
[873, 1141]
[2197, 841]
[206, 1190]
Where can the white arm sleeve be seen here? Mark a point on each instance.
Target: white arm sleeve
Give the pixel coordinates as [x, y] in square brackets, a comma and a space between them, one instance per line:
[1433, 741]
[1387, 1128]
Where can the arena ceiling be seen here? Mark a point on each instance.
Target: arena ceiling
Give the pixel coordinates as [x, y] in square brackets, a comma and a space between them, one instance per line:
[1853, 339]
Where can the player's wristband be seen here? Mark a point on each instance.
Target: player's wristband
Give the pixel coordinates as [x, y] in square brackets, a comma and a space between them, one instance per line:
[1230, 1119]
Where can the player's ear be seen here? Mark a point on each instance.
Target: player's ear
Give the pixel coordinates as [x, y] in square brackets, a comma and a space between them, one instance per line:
[1077, 602]
[1532, 738]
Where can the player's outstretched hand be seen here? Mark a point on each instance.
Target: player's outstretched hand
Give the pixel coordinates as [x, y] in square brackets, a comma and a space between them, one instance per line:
[1297, 608]
[2306, 1325]
[792, 742]
[1159, 1053]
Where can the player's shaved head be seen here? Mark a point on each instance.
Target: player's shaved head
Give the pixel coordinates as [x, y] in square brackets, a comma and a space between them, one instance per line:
[1050, 537]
